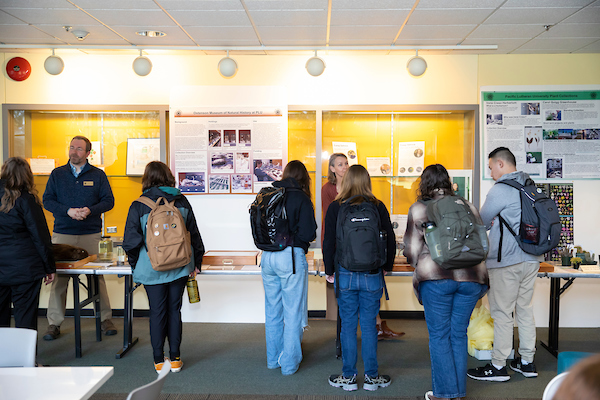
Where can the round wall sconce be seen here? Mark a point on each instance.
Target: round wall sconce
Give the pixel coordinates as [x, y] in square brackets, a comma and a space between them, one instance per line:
[54, 65]
[18, 69]
[416, 66]
[315, 65]
[227, 67]
[142, 65]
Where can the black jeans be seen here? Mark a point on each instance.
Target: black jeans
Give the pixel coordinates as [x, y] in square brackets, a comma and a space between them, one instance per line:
[25, 299]
[165, 317]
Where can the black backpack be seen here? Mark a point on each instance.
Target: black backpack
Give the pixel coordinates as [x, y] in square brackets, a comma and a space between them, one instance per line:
[269, 222]
[540, 226]
[455, 239]
[361, 245]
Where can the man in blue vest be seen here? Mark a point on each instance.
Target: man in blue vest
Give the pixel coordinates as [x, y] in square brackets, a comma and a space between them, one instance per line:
[77, 194]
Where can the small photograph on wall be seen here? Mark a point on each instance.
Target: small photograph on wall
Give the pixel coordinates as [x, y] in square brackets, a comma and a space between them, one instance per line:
[591, 134]
[241, 183]
[493, 119]
[242, 162]
[534, 157]
[530, 108]
[192, 182]
[553, 115]
[221, 162]
[267, 170]
[245, 137]
[214, 138]
[554, 168]
[533, 138]
[218, 184]
[229, 138]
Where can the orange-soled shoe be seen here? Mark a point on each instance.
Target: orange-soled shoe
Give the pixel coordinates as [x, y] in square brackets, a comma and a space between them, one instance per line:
[158, 366]
[176, 365]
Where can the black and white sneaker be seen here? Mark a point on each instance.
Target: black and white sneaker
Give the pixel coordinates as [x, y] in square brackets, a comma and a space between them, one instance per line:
[489, 373]
[375, 382]
[527, 370]
[348, 384]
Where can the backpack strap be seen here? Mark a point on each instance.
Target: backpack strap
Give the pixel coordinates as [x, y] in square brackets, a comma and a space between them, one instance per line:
[147, 201]
[512, 183]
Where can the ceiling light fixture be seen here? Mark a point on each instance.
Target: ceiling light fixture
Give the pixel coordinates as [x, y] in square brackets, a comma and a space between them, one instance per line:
[80, 34]
[151, 33]
[142, 65]
[416, 66]
[227, 67]
[54, 65]
[315, 65]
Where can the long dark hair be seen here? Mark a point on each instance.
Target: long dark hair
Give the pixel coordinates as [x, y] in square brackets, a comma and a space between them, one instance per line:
[295, 169]
[434, 179]
[18, 178]
[157, 174]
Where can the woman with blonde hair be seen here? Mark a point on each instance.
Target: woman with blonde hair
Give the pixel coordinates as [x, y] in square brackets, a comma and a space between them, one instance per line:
[26, 252]
[359, 293]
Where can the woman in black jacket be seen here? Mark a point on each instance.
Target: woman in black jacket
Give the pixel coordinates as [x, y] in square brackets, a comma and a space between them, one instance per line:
[286, 292]
[164, 288]
[26, 251]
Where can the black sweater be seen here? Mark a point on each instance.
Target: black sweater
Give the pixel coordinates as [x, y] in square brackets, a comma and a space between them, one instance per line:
[300, 212]
[329, 242]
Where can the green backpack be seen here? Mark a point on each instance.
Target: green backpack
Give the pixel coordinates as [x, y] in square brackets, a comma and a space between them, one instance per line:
[453, 234]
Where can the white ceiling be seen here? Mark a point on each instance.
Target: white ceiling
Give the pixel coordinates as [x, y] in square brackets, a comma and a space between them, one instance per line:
[515, 26]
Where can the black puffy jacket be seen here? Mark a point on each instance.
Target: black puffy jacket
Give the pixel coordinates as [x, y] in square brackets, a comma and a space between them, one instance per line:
[25, 244]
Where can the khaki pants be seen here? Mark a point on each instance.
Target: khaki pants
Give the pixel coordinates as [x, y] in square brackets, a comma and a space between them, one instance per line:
[511, 290]
[57, 304]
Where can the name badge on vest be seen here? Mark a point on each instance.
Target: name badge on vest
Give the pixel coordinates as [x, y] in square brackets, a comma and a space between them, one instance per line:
[88, 183]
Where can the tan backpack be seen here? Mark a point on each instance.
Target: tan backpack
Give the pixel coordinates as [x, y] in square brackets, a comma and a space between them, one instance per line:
[168, 242]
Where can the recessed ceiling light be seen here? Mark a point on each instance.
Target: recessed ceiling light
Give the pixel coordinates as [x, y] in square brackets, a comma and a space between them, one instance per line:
[151, 33]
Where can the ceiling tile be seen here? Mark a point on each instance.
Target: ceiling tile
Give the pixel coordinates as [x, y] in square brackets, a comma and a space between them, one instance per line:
[58, 16]
[7, 19]
[586, 15]
[142, 18]
[385, 34]
[573, 30]
[277, 18]
[506, 31]
[18, 33]
[557, 44]
[542, 16]
[435, 32]
[546, 3]
[36, 4]
[89, 5]
[465, 4]
[448, 17]
[590, 48]
[228, 33]
[287, 5]
[211, 18]
[269, 33]
[369, 17]
[199, 5]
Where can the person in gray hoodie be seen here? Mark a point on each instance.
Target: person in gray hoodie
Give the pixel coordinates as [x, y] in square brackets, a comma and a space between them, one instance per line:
[512, 278]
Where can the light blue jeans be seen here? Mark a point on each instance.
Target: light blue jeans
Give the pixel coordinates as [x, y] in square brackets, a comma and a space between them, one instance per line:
[359, 297]
[448, 306]
[286, 310]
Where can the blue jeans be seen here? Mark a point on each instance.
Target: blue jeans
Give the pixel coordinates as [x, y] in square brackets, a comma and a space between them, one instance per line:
[286, 310]
[359, 296]
[448, 306]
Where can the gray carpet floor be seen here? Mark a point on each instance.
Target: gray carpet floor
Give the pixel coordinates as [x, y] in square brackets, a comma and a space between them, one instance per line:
[227, 361]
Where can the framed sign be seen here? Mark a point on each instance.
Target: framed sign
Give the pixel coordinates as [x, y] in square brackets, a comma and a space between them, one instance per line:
[139, 153]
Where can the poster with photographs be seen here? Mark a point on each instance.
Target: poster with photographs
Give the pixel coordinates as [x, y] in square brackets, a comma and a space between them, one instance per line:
[192, 182]
[227, 131]
[139, 153]
[347, 148]
[411, 158]
[379, 166]
[552, 131]
[241, 183]
[218, 183]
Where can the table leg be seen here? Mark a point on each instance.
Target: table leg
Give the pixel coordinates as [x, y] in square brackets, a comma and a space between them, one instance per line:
[77, 311]
[96, 294]
[554, 315]
[128, 340]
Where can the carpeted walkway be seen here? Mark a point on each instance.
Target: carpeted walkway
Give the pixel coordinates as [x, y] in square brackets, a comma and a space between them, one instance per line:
[227, 361]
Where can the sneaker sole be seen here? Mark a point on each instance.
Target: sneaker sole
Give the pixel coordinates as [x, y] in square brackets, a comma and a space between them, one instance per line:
[50, 337]
[374, 387]
[347, 388]
[490, 378]
[525, 374]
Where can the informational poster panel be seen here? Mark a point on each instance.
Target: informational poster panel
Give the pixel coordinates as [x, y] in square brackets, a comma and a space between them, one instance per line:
[411, 158]
[227, 139]
[553, 133]
[140, 151]
[347, 148]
